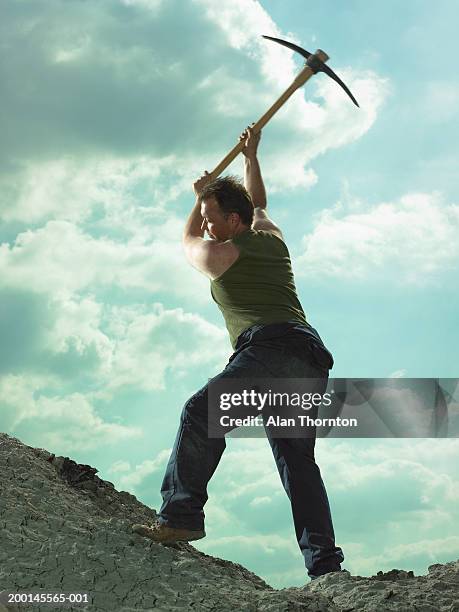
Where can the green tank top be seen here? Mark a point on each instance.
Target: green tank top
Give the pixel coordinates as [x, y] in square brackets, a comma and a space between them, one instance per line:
[259, 286]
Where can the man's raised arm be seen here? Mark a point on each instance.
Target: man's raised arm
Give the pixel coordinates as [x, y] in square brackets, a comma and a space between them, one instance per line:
[253, 182]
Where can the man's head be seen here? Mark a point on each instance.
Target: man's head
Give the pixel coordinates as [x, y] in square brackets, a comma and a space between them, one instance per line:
[226, 207]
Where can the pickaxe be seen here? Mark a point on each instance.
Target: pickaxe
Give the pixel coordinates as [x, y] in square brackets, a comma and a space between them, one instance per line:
[314, 63]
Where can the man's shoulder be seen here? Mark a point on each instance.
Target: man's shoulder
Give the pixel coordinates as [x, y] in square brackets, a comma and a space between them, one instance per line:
[211, 257]
[262, 222]
[221, 256]
[269, 233]
[253, 233]
[222, 249]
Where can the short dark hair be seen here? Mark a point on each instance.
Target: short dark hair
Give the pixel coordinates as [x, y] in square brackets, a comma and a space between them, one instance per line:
[231, 196]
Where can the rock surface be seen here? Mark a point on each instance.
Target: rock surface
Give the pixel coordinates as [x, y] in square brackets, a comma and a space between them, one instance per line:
[65, 530]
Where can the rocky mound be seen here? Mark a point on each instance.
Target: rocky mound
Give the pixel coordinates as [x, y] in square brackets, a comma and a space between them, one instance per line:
[65, 530]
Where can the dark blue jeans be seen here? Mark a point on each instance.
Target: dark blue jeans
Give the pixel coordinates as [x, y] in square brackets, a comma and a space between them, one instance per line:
[281, 350]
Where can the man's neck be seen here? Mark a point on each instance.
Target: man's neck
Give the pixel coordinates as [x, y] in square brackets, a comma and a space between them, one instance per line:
[240, 230]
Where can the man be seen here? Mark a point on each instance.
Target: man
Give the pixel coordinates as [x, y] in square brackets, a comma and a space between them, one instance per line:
[251, 279]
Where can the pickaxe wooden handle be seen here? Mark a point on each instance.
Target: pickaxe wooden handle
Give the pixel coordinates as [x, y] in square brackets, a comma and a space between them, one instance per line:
[299, 81]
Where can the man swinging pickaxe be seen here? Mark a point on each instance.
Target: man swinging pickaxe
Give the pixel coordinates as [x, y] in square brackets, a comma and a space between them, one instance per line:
[252, 282]
[220, 220]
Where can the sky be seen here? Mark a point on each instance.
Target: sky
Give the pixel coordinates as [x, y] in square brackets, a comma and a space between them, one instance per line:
[109, 111]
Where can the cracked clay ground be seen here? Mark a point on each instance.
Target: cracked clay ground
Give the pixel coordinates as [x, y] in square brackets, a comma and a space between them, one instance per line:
[65, 530]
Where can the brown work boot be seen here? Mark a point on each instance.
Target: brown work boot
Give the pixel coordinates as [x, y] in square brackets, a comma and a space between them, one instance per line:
[166, 535]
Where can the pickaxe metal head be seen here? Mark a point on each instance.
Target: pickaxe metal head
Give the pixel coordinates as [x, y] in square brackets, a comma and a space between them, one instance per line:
[314, 63]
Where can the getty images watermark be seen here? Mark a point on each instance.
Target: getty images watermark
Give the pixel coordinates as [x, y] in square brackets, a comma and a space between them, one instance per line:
[340, 408]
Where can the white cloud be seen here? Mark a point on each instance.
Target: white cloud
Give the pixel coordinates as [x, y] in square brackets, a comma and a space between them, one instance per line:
[403, 555]
[101, 168]
[276, 64]
[62, 423]
[100, 350]
[260, 501]
[350, 468]
[342, 122]
[150, 342]
[398, 374]
[448, 547]
[413, 240]
[270, 544]
[73, 189]
[136, 475]
[256, 475]
[292, 175]
[218, 518]
[75, 329]
[119, 466]
[444, 453]
[151, 5]
[71, 260]
[74, 51]
[138, 347]
[82, 341]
